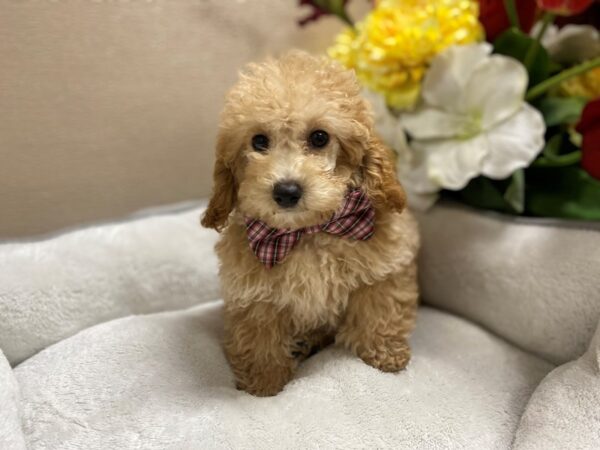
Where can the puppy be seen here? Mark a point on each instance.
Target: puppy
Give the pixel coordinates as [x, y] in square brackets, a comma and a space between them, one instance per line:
[316, 245]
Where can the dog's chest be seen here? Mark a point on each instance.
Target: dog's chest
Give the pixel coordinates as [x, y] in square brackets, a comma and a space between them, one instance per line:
[318, 275]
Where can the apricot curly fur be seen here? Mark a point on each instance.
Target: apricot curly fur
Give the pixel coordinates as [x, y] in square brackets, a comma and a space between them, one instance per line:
[363, 294]
[222, 198]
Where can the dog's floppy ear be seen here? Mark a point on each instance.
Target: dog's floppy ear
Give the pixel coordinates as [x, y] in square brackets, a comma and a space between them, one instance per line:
[379, 177]
[224, 191]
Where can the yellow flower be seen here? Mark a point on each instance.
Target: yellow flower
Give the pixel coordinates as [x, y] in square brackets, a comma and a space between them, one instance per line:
[586, 85]
[391, 49]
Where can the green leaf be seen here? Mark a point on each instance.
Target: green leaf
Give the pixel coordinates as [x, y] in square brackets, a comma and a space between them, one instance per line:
[565, 192]
[515, 43]
[552, 148]
[515, 192]
[507, 195]
[551, 154]
[575, 138]
[558, 161]
[483, 193]
[512, 13]
[559, 110]
[336, 6]
[555, 67]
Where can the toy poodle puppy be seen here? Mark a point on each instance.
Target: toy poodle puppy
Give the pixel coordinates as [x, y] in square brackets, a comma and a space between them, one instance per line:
[316, 245]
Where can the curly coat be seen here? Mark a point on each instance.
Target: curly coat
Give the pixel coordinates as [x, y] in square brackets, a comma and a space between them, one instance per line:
[362, 294]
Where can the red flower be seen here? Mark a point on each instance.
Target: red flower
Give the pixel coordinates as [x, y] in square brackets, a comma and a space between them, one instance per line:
[492, 15]
[590, 16]
[589, 127]
[564, 7]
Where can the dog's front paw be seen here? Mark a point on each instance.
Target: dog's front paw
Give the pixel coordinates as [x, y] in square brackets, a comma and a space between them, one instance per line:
[264, 381]
[388, 355]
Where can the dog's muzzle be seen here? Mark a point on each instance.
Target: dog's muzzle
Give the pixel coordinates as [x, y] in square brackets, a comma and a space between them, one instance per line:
[287, 194]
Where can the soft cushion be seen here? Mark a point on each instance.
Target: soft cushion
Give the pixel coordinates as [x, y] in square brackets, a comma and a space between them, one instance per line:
[533, 282]
[51, 289]
[162, 381]
[564, 411]
[11, 436]
[110, 106]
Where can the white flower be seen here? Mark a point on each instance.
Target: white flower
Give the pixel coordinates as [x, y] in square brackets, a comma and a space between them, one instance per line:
[472, 121]
[387, 125]
[390, 130]
[570, 44]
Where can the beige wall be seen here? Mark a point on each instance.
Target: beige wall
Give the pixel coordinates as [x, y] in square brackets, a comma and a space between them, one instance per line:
[108, 106]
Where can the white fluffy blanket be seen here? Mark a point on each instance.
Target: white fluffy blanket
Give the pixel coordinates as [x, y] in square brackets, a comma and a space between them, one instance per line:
[51, 289]
[564, 412]
[11, 435]
[161, 380]
[534, 283]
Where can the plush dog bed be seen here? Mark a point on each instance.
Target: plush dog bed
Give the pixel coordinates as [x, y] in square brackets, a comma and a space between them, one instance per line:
[95, 365]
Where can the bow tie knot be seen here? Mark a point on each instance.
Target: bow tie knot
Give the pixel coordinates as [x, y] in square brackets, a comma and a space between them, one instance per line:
[354, 220]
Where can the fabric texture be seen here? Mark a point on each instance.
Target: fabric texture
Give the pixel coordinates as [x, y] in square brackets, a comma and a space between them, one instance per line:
[11, 435]
[354, 220]
[111, 106]
[534, 283]
[564, 412]
[162, 381]
[51, 289]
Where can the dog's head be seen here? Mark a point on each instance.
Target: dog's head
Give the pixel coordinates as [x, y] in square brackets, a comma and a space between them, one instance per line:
[295, 134]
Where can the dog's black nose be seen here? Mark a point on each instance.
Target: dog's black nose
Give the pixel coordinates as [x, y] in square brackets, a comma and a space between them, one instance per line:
[287, 193]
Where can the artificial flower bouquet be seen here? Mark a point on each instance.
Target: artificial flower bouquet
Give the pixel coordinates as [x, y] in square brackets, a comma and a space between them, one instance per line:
[495, 103]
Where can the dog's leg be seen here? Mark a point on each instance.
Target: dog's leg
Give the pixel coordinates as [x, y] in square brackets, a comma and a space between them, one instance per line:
[379, 319]
[258, 345]
[312, 342]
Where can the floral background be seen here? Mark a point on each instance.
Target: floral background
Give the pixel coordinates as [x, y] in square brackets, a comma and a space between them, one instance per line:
[494, 103]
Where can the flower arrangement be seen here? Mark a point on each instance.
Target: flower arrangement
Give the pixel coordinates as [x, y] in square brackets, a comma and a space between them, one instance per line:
[494, 103]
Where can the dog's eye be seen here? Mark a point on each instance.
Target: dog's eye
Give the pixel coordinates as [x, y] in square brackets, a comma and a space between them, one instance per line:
[318, 139]
[260, 142]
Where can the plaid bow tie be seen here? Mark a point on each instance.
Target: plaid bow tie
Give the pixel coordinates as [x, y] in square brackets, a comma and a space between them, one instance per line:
[354, 220]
